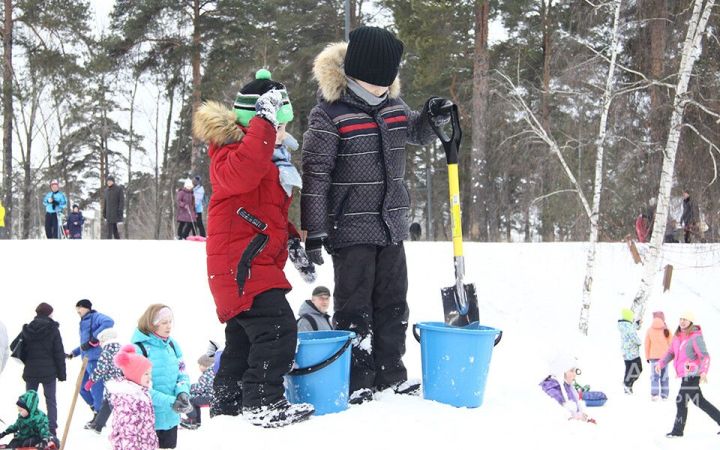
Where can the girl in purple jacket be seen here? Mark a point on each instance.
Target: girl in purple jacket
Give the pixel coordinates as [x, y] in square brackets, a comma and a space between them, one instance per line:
[559, 386]
[133, 426]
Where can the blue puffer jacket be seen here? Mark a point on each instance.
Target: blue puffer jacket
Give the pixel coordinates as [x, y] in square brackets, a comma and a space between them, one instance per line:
[90, 326]
[58, 206]
[168, 376]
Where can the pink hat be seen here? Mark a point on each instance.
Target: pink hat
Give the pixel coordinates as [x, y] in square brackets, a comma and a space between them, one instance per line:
[133, 366]
[659, 314]
[54, 182]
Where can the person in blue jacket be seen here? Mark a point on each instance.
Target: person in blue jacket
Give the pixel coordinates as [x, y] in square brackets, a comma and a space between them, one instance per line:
[170, 389]
[54, 202]
[91, 324]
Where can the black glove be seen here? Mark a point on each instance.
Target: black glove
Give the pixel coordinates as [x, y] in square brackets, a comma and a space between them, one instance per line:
[52, 200]
[439, 110]
[3, 434]
[69, 355]
[182, 404]
[313, 248]
[301, 261]
[90, 344]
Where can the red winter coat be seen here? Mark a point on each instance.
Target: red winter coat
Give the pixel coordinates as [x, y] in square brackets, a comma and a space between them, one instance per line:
[185, 206]
[246, 249]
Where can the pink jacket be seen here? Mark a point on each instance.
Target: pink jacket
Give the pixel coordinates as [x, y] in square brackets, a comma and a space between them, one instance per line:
[689, 352]
[133, 426]
[656, 344]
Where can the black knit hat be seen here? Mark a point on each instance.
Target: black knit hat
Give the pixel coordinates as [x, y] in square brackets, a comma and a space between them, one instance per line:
[43, 309]
[373, 55]
[321, 290]
[84, 303]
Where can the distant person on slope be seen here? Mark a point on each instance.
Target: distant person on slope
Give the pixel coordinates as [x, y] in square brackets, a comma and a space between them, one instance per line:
[630, 346]
[247, 248]
[199, 194]
[657, 343]
[113, 207]
[54, 202]
[75, 223]
[692, 362]
[185, 210]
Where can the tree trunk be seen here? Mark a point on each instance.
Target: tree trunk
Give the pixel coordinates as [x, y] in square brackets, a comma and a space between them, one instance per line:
[690, 53]
[128, 197]
[547, 225]
[196, 48]
[594, 217]
[7, 93]
[479, 181]
[158, 184]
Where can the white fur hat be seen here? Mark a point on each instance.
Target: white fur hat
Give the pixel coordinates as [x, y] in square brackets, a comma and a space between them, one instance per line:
[561, 363]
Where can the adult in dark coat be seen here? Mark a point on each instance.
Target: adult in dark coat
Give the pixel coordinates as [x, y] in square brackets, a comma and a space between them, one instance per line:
[113, 207]
[690, 217]
[44, 358]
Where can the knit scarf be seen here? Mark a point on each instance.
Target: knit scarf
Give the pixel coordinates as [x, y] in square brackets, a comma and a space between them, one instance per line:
[289, 175]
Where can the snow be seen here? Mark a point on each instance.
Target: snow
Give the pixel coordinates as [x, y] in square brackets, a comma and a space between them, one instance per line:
[530, 291]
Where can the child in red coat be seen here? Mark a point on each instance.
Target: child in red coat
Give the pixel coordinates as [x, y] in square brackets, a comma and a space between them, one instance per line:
[247, 247]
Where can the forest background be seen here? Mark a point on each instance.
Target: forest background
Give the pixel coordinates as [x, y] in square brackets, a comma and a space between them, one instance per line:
[85, 98]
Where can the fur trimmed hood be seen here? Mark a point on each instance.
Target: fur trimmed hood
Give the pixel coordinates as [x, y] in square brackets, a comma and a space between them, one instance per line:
[215, 124]
[329, 72]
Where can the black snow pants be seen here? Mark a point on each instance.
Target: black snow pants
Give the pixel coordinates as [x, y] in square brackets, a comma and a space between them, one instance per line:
[690, 391]
[259, 351]
[370, 299]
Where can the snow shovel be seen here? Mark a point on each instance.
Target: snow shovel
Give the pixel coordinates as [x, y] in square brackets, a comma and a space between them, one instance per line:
[460, 301]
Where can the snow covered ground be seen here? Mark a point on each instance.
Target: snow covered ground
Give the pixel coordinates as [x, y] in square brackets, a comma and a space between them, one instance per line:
[530, 291]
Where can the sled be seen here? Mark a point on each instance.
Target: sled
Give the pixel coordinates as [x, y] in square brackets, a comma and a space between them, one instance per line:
[196, 238]
[460, 302]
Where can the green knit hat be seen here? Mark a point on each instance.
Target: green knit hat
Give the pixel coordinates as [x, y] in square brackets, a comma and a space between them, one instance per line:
[249, 94]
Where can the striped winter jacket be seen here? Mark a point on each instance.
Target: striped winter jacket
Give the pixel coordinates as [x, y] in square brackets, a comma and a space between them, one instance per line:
[353, 160]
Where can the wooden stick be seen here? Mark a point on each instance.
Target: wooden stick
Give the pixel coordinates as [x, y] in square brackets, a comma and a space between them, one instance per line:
[633, 250]
[72, 405]
[667, 278]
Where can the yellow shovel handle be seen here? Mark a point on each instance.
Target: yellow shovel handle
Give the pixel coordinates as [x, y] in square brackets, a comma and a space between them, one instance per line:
[454, 189]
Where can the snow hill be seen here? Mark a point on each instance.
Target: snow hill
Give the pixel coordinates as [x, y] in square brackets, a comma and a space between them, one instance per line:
[530, 291]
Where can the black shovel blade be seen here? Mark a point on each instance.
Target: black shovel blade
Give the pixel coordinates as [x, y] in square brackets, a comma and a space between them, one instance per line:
[453, 316]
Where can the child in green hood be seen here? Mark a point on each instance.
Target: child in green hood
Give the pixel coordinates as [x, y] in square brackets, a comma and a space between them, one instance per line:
[32, 427]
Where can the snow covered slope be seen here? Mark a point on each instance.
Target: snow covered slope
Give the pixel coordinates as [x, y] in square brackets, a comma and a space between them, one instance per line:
[530, 291]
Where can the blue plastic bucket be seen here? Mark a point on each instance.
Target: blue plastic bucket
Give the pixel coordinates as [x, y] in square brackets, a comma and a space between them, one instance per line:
[322, 372]
[455, 361]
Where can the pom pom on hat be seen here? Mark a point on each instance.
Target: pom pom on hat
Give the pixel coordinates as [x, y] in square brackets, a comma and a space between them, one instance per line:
[133, 366]
[263, 74]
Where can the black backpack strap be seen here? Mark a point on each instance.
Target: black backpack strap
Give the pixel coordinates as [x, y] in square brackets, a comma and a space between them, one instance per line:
[144, 350]
[311, 321]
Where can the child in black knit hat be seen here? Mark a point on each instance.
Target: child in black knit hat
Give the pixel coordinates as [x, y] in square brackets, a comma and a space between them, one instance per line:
[355, 202]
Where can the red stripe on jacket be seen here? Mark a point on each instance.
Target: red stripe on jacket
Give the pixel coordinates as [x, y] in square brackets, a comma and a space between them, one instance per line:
[358, 126]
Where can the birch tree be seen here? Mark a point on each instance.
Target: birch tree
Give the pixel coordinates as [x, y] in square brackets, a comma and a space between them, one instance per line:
[691, 50]
[597, 189]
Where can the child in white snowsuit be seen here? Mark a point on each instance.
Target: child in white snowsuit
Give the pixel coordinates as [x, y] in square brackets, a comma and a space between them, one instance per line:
[630, 343]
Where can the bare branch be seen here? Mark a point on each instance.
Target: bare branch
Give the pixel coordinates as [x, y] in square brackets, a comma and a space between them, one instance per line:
[543, 197]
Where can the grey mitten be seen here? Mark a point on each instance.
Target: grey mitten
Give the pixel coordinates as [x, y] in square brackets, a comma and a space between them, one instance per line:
[300, 260]
[182, 404]
[268, 105]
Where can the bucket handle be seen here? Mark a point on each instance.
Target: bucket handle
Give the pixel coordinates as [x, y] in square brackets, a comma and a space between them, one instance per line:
[417, 335]
[321, 365]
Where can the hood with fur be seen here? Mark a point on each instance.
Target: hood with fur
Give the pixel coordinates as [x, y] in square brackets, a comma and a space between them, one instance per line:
[330, 74]
[215, 124]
